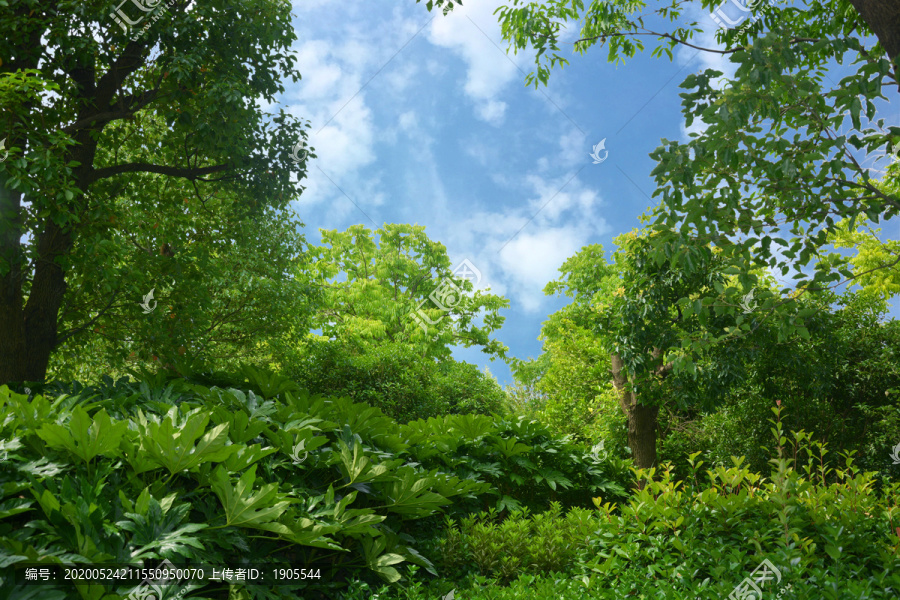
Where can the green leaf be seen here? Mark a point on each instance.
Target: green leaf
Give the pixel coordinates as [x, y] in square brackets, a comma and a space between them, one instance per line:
[243, 507]
[83, 437]
[177, 447]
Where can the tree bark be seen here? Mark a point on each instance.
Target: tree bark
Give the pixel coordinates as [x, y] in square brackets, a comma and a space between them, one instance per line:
[642, 419]
[883, 18]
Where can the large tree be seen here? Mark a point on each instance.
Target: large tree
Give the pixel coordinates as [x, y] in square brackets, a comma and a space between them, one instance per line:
[93, 149]
[630, 308]
[782, 157]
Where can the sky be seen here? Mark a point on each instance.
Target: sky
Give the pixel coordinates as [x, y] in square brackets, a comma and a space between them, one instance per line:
[417, 117]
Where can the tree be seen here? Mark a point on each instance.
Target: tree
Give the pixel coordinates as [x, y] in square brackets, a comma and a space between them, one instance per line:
[572, 372]
[629, 307]
[400, 289]
[389, 313]
[63, 172]
[781, 153]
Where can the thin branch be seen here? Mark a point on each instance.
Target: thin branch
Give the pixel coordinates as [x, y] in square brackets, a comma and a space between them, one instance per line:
[72, 332]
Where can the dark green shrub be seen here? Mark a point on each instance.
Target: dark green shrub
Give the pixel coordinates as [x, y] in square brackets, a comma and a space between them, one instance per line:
[132, 473]
[526, 464]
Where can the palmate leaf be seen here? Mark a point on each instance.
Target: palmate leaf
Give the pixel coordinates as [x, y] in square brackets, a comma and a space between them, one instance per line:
[356, 467]
[353, 522]
[409, 494]
[176, 447]
[380, 562]
[84, 437]
[154, 526]
[42, 467]
[14, 506]
[509, 447]
[243, 508]
[246, 456]
[307, 532]
[270, 384]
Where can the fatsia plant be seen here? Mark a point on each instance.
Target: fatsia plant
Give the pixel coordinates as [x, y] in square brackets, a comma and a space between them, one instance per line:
[194, 474]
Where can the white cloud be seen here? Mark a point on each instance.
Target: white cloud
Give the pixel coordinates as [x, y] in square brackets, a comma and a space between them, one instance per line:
[474, 35]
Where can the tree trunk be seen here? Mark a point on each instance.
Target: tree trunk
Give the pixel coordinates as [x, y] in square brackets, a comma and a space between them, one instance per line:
[28, 331]
[883, 18]
[642, 434]
[641, 418]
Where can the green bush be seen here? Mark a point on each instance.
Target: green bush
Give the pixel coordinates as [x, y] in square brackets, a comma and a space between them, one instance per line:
[395, 379]
[829, 535]
[132, 473]
[543, 543]
[526, 464]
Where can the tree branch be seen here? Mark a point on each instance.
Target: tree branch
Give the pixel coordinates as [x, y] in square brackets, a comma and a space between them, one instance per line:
[138, 167]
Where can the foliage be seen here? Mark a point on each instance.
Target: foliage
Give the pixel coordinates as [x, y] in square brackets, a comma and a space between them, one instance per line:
[396, 379]
[839, 385]
[875, 262]
[399, 289]
[701, 538]
[216, 302]
[130, 472]
[780, 154]
[136, 171]
[829, 533]
[525, 463]
[519, 544]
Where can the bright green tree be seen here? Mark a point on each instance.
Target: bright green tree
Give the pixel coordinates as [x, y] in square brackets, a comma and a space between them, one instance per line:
[140, 120]
[399, 288]
[389, 314]
[622, 320]
[573, 370]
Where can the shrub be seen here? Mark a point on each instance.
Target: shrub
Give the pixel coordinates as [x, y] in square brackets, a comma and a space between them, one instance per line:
[128, 473]
[526, 464]
[544, 543]
[802, 533]
[395, 379]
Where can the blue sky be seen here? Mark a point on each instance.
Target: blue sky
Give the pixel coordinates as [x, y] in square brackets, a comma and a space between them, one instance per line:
[421, 118]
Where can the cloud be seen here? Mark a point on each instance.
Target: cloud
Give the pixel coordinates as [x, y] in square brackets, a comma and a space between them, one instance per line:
[473, 34]
[519, 250]
[532, 260]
